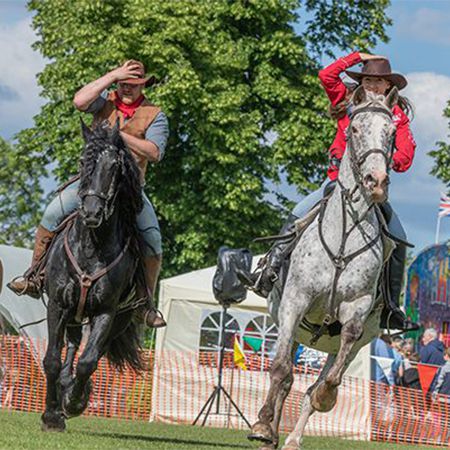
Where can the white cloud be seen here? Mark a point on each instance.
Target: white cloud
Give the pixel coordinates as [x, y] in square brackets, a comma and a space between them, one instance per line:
[429, 93]
[415, 194]
[19, 65]
[425, 24]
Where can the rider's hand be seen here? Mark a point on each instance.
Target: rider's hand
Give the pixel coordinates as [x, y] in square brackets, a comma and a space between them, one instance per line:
[130, 69]
[367, 56]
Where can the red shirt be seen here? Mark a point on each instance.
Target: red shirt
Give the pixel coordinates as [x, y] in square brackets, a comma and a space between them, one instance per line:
[336, 91]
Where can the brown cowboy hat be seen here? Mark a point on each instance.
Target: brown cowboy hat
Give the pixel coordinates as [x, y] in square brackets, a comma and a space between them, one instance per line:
[380, 68]
[142, 79]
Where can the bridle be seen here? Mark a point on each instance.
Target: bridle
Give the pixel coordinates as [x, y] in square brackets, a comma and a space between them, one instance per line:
[85, 279]
[357, 162]
[109, 197]
[340, 260]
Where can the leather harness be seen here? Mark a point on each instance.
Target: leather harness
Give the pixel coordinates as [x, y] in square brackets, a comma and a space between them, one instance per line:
[339, 260]
[84, 279]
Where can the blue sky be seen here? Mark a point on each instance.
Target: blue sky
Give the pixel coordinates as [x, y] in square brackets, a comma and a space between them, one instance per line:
[419, 48]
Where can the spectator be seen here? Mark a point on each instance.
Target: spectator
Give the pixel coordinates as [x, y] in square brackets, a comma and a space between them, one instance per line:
[442, 385]
[381, 349]
[397, 347]
[432, 351]
[410, 346]
[408, 373]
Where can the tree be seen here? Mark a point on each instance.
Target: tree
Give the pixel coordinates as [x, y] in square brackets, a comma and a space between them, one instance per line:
[20, 193]
[441, 155]
[239, 87]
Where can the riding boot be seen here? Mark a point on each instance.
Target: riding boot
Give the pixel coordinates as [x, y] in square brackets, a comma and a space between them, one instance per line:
[392, 317]
[149, 315]
[262, 281]
[29, 283]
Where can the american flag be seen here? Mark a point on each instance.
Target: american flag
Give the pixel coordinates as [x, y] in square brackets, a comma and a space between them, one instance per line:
[444, 206]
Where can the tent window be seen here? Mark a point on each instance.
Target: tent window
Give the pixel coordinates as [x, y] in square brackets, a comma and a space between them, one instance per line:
[259, 340]
[210, 334]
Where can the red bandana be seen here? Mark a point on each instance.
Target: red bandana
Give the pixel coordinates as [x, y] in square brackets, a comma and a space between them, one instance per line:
[127, 110]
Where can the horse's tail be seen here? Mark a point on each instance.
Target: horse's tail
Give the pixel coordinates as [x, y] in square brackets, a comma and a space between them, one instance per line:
[124, 348]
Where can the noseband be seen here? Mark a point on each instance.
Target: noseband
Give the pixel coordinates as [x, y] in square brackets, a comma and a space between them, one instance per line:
[356, 162]
[109, 198]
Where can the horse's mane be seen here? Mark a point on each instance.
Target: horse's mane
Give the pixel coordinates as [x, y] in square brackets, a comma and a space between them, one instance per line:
[129, 198]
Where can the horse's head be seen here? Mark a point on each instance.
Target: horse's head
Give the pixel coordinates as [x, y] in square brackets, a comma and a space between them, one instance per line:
[370, 141]
[106, 166]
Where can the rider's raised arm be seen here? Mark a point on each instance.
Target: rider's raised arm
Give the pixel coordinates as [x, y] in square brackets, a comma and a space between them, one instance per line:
[331, 80]
[153, 146]
[89, 93]
[404, 142]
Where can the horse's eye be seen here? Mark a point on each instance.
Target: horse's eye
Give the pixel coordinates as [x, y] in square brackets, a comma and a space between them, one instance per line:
[354, 129]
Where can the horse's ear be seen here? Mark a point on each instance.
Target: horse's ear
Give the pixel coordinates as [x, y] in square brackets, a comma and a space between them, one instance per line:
[115, 133]
[359, 96]
[392, 98]
[86, 131]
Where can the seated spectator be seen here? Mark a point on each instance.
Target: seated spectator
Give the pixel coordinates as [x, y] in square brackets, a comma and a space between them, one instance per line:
[408, 373]
[432, 351]
[442, 385]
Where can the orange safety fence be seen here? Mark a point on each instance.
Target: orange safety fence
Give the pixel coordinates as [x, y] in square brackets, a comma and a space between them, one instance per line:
[177, 385]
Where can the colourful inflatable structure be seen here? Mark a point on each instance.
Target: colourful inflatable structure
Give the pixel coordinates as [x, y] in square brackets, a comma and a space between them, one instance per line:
[427, 296]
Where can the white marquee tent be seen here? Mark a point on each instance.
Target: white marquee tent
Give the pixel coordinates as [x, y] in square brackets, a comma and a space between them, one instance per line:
[187, 300]
[22, 310]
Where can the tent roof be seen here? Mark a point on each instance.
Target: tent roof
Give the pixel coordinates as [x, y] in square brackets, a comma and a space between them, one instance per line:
[197, 286]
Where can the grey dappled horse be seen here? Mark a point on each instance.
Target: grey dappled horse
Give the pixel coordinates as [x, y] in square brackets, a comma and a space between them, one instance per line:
[334, 271]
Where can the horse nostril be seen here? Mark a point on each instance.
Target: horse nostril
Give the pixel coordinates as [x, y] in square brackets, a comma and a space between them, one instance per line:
[370, 181]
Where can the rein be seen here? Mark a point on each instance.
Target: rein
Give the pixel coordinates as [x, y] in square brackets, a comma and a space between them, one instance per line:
[340, 260]
[84, 279]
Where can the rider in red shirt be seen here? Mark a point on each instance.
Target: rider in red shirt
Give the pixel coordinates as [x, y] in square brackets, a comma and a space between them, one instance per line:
[376, 76]
[337, 92]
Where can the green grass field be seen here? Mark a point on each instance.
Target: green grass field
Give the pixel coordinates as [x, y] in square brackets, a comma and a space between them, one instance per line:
[22, 431]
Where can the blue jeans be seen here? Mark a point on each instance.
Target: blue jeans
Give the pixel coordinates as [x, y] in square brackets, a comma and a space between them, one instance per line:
[68, 201]
[306, 203]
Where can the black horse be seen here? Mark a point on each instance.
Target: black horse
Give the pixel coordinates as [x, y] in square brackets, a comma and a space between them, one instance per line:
[92, 268]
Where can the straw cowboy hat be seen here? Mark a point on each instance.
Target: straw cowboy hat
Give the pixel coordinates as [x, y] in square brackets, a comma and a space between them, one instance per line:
[380, 68]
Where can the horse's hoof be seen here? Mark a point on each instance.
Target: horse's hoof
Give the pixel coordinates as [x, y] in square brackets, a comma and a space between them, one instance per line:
[52, 422]
[73, 408]
[291, 446]
[261, 432]
[323, 397]
[267, 447]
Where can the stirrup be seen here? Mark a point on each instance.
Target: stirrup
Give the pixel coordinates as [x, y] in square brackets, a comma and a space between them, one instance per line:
[261, 286]
[406, 327]
[22, 292]
[36, 289]
[158, 315]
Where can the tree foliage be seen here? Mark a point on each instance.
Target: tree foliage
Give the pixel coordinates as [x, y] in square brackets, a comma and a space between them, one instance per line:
[20, 193]
[239, 87]
[441, 156]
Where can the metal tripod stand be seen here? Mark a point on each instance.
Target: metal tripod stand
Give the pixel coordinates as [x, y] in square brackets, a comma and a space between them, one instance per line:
[218, 389]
